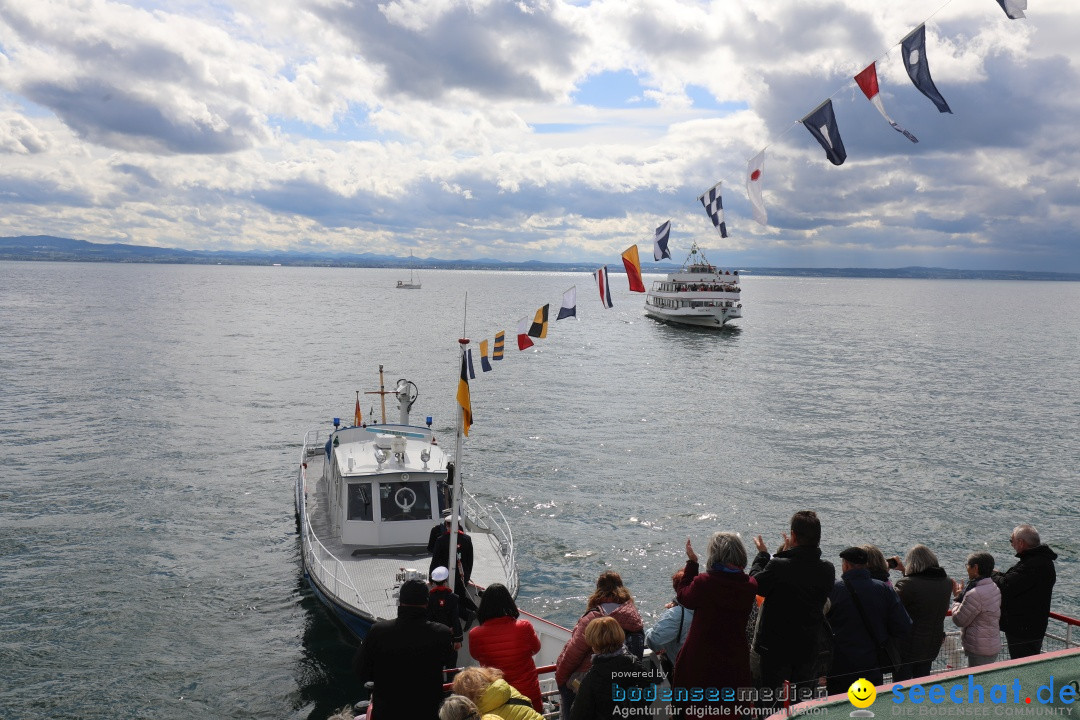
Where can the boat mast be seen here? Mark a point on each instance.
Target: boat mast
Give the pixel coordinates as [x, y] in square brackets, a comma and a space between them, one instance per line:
[382, 394]
[455, 504]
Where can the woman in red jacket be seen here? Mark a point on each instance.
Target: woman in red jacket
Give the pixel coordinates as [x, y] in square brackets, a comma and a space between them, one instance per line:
[503, 641]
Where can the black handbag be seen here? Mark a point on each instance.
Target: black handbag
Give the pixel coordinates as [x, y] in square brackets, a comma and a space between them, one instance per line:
[888, 655]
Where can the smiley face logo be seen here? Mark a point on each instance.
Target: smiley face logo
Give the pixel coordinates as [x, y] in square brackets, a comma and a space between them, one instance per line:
[862, 693]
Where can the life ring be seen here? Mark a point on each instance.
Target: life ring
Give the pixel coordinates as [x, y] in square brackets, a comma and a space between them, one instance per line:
[405, 498]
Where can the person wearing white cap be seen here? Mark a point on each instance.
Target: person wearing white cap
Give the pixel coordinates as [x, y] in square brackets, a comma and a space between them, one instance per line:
[442, 607]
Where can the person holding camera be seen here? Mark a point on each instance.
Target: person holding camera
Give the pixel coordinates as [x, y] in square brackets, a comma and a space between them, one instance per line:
[925, 591]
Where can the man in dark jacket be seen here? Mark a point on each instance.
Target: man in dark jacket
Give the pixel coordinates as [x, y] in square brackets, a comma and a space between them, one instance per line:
[404, 658]
[461, 567]
[1026, 588]
[795, 584]
[858, 634]
[442, 607]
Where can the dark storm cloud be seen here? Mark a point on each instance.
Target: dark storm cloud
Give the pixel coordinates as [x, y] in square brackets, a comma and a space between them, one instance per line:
[494, 51]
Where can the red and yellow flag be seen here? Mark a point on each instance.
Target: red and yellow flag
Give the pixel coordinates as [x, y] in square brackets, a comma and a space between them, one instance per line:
[359, 419]
[632, 264]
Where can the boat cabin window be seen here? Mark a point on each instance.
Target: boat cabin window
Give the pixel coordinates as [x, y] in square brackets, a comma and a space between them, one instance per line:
[405, 500]
[360, 506]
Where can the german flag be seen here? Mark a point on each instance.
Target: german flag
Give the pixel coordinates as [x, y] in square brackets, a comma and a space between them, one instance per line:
[463, 398]
[358, 420]
[500, 340]
[539, 323]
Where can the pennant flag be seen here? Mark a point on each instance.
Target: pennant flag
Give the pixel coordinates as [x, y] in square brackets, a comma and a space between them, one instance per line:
[472, 372]
[538, 329]
[500, 341]
[754, 170]
[714, 207]
[523, 334]
[660, 250]
[821, 122]
[867, 81]
[463, 398]
[632, 263]
[1013, 8]
[918, 69]
[484, 364]
[358, 420]
[569, 304]
[602, 282]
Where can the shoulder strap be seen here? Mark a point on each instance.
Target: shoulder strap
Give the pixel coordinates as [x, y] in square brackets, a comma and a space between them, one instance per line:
[682, 616]
[519, 701]
[862, 613]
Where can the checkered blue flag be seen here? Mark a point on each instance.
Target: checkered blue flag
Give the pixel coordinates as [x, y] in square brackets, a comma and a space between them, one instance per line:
[715, 208]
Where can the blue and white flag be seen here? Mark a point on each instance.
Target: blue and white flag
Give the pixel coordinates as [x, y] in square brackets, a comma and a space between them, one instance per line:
[918, 69]
[1013, 8]
[659, 250]
[601, 277]
[821, 122]
[569, 304]
[714, 207]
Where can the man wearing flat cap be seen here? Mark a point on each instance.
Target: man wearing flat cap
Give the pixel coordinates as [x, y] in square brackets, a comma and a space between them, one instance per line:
[404, 659]
[864, 614]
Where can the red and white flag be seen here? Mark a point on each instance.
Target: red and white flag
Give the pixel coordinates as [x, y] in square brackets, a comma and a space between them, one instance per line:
[754, 171]
[524, 341]
[867, 81]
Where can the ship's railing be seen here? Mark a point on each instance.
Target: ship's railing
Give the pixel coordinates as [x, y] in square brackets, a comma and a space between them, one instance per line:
[499, 534]
[327, 569]
[1061, 634]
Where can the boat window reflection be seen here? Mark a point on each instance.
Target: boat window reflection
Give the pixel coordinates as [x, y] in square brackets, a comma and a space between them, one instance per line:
[405, 501]
[360, 501]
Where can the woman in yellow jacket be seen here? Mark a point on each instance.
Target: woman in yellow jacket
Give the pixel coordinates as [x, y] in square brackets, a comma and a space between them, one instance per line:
[493, 696]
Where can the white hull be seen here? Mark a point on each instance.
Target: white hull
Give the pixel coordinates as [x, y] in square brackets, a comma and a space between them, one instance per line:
[698, 317]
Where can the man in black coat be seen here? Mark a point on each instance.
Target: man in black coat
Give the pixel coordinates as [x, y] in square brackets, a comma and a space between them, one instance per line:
[864, 613]
[404, 659]
[462, 569]
[1026, 588]
[795, 584]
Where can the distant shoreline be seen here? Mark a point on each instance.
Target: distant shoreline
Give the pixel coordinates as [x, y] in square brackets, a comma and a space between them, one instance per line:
[44, 248]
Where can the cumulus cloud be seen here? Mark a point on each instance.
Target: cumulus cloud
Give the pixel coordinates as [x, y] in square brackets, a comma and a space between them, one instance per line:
[480, 127]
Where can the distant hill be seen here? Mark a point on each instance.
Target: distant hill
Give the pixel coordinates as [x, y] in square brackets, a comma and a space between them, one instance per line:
[45, 247]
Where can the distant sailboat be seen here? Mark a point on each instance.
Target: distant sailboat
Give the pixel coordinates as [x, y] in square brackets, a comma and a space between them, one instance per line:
[411, 284]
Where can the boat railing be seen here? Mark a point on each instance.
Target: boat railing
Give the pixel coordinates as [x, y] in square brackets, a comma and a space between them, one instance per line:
[499, 532]
[327, 569]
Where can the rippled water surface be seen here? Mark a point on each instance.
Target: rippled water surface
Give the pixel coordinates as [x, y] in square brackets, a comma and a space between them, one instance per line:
[151, 416]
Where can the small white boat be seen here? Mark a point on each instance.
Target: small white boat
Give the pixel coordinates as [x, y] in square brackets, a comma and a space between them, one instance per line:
[367, 498]
[698, 294]
[411, 283]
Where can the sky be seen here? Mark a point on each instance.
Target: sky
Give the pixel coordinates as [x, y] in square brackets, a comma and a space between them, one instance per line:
[551, 130]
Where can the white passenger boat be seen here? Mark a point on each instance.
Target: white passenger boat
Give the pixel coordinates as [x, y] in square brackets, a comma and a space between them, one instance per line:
[698, 294]
[367, 498]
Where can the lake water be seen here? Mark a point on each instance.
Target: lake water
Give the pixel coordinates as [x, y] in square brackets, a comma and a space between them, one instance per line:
[151, 419]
